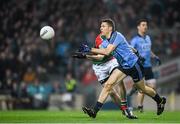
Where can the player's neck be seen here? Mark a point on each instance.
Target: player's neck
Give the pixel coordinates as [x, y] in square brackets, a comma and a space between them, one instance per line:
[108, 36]
[142, 34]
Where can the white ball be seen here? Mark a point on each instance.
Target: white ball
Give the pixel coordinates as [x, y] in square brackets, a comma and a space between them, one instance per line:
[47, 33]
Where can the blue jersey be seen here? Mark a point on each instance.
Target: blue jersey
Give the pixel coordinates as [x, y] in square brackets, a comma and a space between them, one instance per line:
[123, 52]
[143, 45]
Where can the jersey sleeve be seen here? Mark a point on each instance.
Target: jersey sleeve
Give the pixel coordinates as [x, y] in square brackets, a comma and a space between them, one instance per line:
[116, 39]
[149, 39]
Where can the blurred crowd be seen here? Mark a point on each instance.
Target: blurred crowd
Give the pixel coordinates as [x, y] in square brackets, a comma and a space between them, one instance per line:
[29, 65]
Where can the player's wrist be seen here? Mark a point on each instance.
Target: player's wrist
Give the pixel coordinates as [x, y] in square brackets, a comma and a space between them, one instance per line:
[155, 56]
[157, 59]
[79, 55]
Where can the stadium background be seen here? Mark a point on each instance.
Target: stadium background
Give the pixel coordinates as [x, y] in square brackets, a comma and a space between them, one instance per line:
[34, 73]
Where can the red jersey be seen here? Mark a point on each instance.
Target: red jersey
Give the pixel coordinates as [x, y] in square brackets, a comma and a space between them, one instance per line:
[98, 41]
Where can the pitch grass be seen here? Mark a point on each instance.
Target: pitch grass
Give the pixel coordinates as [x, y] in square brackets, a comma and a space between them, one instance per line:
[80, 117]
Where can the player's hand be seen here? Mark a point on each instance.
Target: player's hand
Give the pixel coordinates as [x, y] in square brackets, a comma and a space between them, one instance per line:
[142, 59]
[84, 48]
[79, 55]
[157, 60]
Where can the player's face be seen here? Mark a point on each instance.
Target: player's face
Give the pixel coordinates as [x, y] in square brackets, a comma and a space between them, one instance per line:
[105, 29]
[143, 26]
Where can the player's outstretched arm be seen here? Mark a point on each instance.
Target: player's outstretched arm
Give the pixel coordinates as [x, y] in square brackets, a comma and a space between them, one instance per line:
[104, 51]
[82, 55]
[95, 57]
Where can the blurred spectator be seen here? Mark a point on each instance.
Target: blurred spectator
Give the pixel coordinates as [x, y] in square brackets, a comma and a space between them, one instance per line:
[175, 46]
[38, 94]
[57, 88]
[70, 84]
[88, 80]
[29, 76]
[89, 77]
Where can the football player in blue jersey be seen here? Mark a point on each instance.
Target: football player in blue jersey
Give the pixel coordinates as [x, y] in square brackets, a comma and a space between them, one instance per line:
[142, 43]
[128, 61]
[106, 70]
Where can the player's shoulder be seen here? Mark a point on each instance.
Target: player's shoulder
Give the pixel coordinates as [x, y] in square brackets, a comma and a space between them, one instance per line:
[148, 36]
[98, 37]
[119, 35]
[135, 37]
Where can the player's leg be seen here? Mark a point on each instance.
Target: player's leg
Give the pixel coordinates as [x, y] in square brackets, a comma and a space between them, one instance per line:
[132, 91]
[108, 85]
[137, 75]
[115, 77]
[120, 89]
[118, 95]
[150, 81]
[115, 98]
[144, 88]
[149, 77]
[124, 106]
[140, 99]
[102, 72]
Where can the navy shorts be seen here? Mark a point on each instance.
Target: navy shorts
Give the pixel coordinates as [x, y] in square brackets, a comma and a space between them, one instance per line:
[148, 73]
[136, 72]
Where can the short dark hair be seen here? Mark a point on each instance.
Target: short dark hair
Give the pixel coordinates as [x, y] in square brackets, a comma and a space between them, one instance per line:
[142, 20]
[110, 22]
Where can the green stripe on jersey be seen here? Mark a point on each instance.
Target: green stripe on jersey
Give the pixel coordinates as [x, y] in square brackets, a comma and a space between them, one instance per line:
[105, 59]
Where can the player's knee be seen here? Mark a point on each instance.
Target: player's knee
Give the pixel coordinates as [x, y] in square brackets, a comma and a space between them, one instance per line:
[108, 87]
[151, 83]
[142, 90]
[111, 92]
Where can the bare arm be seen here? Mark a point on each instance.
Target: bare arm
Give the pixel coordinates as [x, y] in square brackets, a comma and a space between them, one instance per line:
[95, 57]
[104, 51]
[157, 59]
[152, 54]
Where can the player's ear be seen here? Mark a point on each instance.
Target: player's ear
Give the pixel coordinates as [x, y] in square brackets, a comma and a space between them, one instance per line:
[110, 28]
[138, 27]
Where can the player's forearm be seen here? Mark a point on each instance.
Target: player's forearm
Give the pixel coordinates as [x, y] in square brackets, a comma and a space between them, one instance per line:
[101, 51]
[152, 54]
[95, 57]
[134, 50]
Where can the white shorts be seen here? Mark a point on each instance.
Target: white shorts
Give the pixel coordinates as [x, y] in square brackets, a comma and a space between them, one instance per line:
[104, 70]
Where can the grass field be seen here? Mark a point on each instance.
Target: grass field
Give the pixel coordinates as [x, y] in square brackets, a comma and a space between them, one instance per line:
[80, 117]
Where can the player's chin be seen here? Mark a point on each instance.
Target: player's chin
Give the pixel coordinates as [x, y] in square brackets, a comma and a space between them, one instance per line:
[102, 33]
